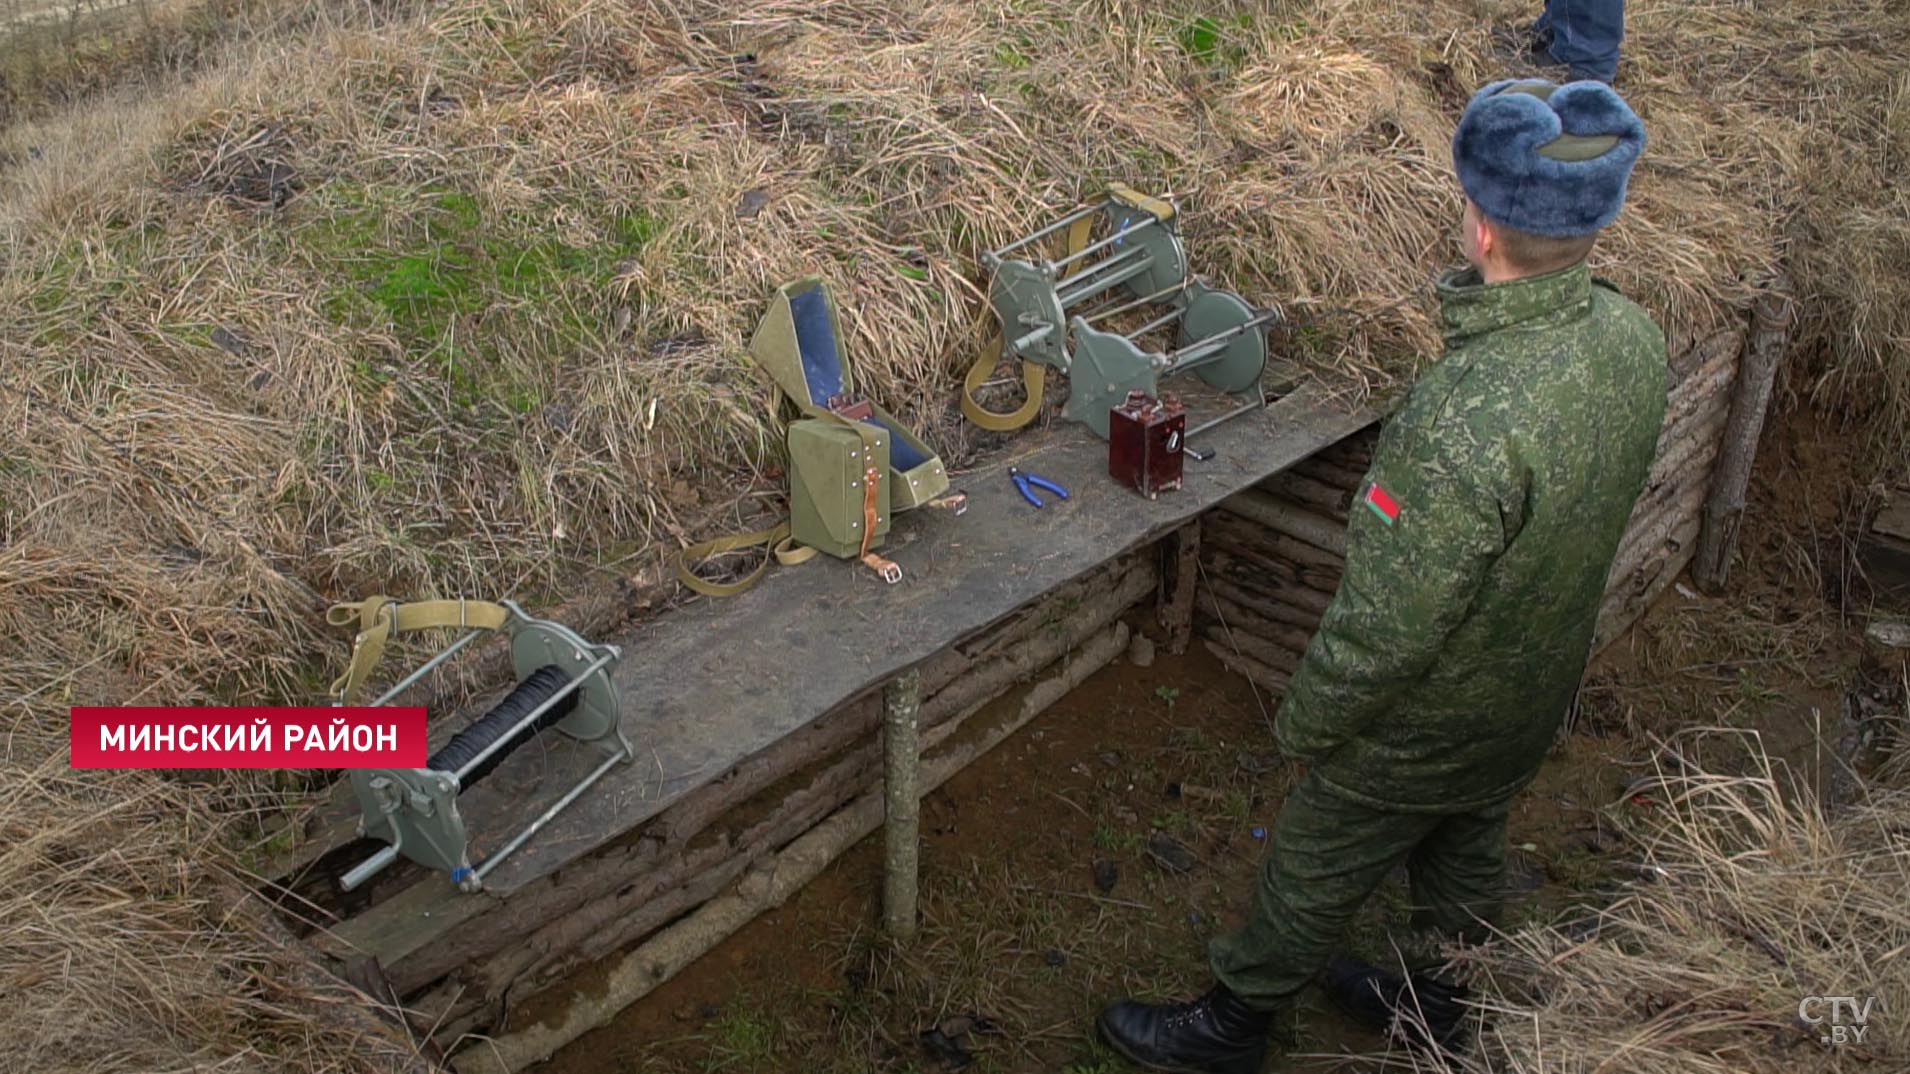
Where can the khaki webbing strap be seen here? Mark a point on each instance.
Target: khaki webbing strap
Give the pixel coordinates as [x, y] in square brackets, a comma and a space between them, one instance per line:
[1034, 377]
[379, 617]
[1078, 235]
[780, 547]
[1160, 209]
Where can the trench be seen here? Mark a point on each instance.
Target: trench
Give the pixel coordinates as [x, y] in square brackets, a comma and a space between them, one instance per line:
[1043, 899]
[1036, 872]
[1129, 672]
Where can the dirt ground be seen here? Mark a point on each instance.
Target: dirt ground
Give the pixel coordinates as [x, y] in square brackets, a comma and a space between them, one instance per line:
[1049, 881]
[1049, 890]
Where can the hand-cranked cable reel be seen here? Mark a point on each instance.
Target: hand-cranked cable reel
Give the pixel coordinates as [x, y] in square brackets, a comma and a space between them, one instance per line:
[1134, 262]
[562, 681]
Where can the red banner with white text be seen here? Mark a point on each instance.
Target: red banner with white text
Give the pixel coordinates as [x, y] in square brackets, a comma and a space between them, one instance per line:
[246, 737]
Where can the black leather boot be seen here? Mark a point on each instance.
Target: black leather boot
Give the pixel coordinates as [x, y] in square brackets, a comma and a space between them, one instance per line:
[1526, 47]
[1384, 1002]
[1215, 1034]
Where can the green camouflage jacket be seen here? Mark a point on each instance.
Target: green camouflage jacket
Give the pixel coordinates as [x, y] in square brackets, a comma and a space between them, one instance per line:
[1480, 545]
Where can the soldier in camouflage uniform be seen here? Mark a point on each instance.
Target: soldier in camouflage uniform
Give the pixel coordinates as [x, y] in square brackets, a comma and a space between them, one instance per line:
[1476, 564]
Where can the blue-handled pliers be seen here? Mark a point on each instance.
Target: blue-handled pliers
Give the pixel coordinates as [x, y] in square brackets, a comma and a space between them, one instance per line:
[1022, 481]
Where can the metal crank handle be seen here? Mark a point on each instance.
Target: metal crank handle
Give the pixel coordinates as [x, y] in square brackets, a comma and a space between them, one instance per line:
[475, 881]
[368, 868]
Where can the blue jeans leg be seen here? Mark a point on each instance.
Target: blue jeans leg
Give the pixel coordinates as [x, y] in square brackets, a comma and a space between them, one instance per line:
[1585, 35]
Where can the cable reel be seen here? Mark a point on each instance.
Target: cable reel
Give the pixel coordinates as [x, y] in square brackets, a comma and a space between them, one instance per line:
[1134, 261]
[563, 681]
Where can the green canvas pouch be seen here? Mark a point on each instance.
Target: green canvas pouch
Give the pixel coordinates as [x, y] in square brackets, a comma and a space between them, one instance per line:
[799, 344]
[839, 486]
[850, 462]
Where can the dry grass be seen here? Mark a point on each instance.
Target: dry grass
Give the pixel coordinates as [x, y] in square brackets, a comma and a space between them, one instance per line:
[1754, 897]
[123, 949]
[452, 299]
[494, 331]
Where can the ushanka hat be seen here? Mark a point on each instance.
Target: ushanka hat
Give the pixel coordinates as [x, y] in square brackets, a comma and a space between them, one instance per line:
[1547, 159]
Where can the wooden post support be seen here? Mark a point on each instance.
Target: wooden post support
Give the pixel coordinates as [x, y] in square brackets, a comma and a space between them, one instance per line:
[1179, 573]
[902, 750]
[1724, 509]
[633, 974]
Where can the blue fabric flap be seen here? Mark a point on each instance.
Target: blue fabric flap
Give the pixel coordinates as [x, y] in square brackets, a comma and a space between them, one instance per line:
[902, 454]
[816, 338]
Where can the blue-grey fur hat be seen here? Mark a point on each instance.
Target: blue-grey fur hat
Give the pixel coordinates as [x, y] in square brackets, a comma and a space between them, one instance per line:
[1546, 159]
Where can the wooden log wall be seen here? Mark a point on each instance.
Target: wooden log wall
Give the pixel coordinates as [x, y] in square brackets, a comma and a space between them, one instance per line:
[489, 974]
[1663, 533]
[1271, 557]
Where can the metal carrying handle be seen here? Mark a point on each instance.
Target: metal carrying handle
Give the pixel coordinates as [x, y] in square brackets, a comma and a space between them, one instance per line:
[994, 257]
[1259, 403]
[1210, 347]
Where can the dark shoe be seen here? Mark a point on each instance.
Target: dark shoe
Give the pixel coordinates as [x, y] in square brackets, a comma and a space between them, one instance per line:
[1522, 48]
[1521, 44]
[1215, 1034]
[1420, 1011]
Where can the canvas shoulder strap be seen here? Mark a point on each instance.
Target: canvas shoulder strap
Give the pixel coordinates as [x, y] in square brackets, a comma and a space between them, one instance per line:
[379, 617]
[1034, 375]
[1034, 380]
[781, 546]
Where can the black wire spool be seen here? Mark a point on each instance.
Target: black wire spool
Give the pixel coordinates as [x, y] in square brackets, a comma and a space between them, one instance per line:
[536, 689]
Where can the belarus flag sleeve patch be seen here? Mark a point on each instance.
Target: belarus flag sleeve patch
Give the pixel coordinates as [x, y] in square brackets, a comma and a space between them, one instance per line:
[1382, 503]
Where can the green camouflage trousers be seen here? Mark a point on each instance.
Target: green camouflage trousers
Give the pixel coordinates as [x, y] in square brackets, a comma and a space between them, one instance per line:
[1329, 854]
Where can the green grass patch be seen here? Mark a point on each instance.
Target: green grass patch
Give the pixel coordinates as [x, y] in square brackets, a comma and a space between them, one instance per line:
[1175, 822]
[741, 1040]
[428, 269]
[75, 283]
[1199, 37]
[1207, 40]
[1752, 689]
[1012, 55]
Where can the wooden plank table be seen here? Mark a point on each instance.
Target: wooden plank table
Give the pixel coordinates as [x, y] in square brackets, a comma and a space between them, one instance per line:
[717, 681]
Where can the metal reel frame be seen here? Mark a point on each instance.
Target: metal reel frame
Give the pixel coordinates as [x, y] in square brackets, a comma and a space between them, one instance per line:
[1211, 312]
[1220, 342]
[1032, 299]
[415, 810]
[1107, 366]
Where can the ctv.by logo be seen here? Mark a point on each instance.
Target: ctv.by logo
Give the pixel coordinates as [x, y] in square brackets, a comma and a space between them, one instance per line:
[1843, 1019]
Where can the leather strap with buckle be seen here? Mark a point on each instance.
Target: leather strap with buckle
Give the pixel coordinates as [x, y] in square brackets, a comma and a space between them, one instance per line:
[851, 406]
[886, 568]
